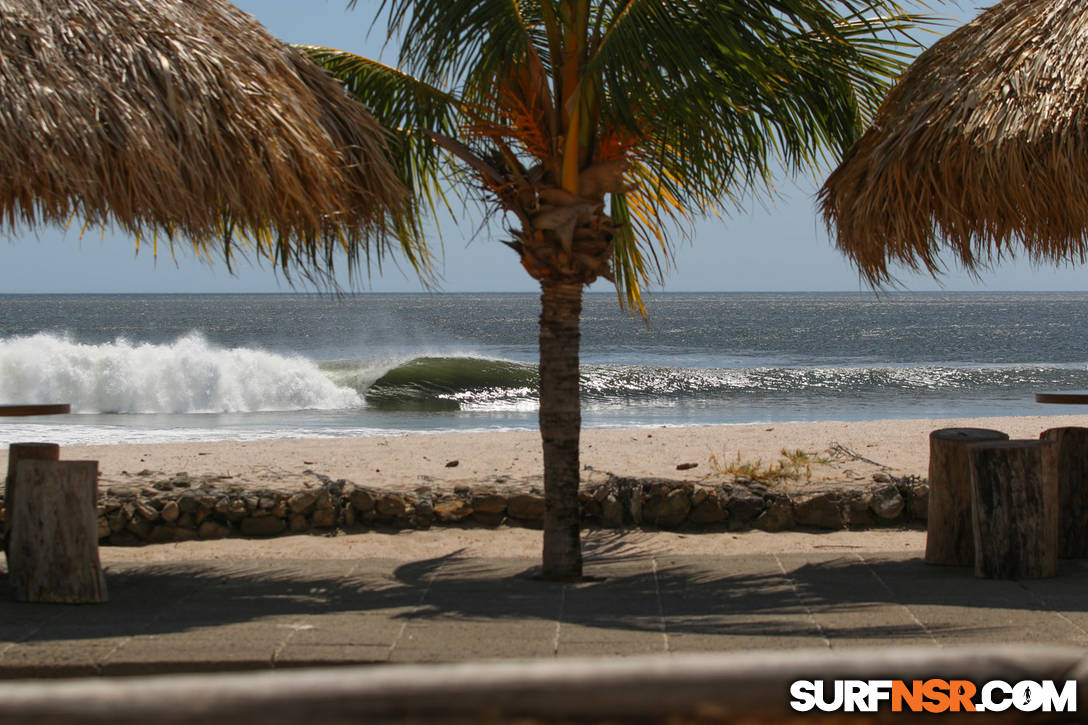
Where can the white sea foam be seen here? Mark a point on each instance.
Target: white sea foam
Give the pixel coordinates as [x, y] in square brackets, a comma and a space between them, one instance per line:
[188, 375]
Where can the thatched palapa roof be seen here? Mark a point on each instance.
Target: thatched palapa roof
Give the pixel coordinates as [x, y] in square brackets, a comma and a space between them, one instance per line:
[980, 149]
[186, 117]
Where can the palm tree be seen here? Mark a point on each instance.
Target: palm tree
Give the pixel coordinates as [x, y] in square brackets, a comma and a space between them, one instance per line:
[594, 126]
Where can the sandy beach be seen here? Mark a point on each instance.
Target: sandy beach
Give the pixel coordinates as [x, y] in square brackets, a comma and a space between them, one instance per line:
[899, 447]
[840, 453]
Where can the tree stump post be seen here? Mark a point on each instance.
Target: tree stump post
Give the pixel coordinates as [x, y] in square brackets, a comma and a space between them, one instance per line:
[23, 452]
[1072, 489]
[53, 534]
[1014, 485]
[949, 541]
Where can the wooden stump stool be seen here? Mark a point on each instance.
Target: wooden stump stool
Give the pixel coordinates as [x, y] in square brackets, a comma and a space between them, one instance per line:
[53, 533]
[949, 541]
[25, 452]
[1072, 490]
[1014, 486]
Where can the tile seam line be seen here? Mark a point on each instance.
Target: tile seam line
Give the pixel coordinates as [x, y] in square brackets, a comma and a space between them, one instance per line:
[559, 619]
[803, 602]
[59, 614]
[660, 607]
[1046, 605]
[25, 636]
[297, 625]
[415, 610]
[101, 664]
[891, 593]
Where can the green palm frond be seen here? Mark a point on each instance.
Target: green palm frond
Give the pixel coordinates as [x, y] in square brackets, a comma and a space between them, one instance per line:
[651, 212]
[702, 100]
[463, 43]
[412, 113]
[718, 89]
[629, 268]
[409, 109]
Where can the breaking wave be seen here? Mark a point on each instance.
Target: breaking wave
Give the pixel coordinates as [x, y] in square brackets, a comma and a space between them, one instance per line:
[467, 383]
[454, 383]
[188, 375]
[191, 375]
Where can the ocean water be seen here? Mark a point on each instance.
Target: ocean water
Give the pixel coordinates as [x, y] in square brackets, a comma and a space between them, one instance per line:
[208, 367]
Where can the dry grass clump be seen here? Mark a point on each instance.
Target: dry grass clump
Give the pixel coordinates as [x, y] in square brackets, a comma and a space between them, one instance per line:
[184, 118]
[979, 150]
[791, 466]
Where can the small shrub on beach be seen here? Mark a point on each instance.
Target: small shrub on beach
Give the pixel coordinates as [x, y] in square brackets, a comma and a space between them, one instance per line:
[792, 465]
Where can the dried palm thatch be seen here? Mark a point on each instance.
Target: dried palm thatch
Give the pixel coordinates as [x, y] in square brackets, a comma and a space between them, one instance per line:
[980, 149]
[184, 117]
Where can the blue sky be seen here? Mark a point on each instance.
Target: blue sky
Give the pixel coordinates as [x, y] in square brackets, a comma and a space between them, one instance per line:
[772, 244]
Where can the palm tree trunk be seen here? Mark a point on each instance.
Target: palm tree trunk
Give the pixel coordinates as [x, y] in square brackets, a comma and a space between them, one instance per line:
[560, 426]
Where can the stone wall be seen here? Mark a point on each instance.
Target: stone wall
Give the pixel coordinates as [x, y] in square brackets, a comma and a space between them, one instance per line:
[186, 509]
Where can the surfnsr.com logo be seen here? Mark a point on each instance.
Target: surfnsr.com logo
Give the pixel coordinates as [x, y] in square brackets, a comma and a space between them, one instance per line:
[933, 695]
